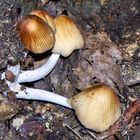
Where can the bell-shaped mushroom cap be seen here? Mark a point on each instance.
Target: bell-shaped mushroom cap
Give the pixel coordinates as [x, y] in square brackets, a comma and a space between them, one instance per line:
[97, 107]
[68, 37]
[45, 16]
[36, 35]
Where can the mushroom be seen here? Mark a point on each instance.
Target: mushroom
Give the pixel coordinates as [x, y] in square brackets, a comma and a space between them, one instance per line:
[68, 38]
[97, 107]
[36, 34]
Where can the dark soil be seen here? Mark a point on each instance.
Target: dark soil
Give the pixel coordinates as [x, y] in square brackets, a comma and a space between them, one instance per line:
[110, 27]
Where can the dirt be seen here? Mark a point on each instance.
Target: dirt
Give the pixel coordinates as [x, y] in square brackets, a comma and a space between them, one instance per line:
[111, 55]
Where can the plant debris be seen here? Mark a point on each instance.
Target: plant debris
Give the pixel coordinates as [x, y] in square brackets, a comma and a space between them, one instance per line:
[111, 55]
[100, 63]
[8, 108]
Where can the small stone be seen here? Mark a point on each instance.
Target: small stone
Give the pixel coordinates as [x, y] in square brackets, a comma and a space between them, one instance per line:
[47, 125]
[10, 76]
[17, 122]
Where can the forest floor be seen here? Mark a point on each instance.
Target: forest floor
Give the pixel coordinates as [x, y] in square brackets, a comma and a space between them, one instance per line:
[111, 55]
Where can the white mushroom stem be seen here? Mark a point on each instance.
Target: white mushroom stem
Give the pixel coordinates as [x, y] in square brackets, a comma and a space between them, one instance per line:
[23, 92]
[38, 94]
[39, 73]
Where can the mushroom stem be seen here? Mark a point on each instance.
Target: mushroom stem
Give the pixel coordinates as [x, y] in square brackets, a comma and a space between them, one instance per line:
[39, 73]
[38, 94]
[23, 92]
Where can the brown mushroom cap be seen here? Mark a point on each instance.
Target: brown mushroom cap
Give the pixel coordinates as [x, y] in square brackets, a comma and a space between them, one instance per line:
[36, 34]
[97, 107]
[45, 16]
[68, 36]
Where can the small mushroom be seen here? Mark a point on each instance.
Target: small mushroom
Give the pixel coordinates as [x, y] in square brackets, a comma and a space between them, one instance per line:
[36, 34]
[68, 38]
[97, 107]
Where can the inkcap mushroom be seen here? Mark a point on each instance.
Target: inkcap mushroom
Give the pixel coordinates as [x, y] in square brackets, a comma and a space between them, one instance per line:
[97, 107]
[36, 34]
[68, 38]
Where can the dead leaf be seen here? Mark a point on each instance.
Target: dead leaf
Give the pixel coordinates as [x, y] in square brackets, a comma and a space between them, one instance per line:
[99, 62]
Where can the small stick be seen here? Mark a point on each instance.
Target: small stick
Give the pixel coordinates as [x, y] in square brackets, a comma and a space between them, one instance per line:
[66, 125]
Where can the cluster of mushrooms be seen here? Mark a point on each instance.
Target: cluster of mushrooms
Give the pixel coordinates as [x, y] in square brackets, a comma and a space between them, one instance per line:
[97, 107]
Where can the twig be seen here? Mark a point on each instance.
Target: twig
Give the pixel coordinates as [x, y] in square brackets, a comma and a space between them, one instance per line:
[94, 135]
[66, 125]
